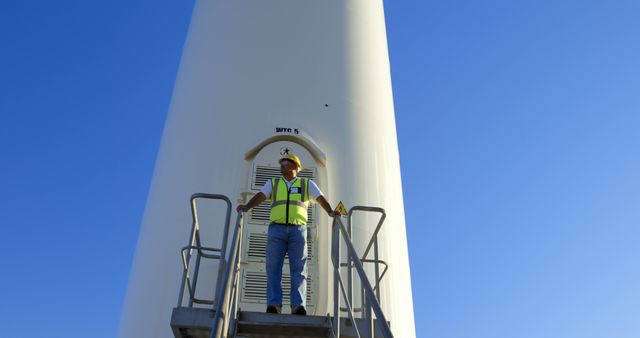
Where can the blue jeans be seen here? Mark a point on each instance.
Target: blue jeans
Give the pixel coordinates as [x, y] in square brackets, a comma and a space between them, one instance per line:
[282, 239]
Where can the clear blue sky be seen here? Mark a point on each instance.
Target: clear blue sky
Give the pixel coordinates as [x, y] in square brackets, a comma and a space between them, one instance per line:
[519, 132]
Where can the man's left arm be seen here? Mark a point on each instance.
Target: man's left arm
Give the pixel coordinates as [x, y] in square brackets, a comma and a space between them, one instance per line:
[326, 206]
[316, 194]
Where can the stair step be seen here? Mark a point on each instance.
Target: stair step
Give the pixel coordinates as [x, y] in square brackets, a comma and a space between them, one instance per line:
[259, 324]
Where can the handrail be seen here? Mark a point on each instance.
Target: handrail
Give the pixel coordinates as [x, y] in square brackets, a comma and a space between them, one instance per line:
[370, 299]
[196, 245]
[373, 241]
[227, 292]
[378, 226]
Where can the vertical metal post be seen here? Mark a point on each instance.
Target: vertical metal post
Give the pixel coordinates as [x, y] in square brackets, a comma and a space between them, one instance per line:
[366, 314]
[234, 308]
[235, 285]
[376, 267]
[195, 279]
[350, 266]
[222, 308]
[185, 272]
[335, 258]
[223, 250]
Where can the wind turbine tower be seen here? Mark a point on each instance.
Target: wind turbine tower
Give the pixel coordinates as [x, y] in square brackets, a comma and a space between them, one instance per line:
[259, 78]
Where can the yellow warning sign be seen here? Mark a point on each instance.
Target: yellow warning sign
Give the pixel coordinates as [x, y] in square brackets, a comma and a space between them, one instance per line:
[341, 209]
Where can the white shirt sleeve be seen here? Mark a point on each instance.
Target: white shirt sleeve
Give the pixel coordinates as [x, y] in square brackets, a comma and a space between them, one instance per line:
[266, 189]
[314, 191]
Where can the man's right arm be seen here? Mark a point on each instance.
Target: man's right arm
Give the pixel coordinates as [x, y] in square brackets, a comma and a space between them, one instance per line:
[255, 200]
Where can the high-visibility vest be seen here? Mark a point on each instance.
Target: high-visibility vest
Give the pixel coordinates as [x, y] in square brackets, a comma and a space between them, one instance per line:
[289, 205]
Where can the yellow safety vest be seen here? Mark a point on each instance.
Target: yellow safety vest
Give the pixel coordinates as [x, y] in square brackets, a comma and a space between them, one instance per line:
[289, 206]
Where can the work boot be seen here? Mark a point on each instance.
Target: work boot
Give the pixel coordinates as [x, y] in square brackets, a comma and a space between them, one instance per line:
[273, 309]
[299, 310]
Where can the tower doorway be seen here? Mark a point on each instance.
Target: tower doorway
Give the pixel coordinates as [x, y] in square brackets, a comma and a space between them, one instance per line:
[263, 167]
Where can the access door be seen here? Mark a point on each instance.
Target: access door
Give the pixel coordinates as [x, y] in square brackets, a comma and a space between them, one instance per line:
[254, 278]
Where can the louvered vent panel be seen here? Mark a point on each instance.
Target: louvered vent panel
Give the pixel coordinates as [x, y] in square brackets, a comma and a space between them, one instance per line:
[254, 289]
[258, 244]
[260, 213]
[306, 173]
[263, 174]
[311, 210]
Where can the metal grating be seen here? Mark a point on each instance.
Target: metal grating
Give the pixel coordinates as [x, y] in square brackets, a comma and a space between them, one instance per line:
[254, 289]
[258, 245]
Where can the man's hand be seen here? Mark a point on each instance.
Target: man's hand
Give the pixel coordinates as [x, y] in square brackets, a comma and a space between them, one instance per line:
[255, 200]
[327, 207]
[335, 213]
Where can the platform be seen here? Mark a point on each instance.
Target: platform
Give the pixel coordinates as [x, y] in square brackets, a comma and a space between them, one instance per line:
[196, 323]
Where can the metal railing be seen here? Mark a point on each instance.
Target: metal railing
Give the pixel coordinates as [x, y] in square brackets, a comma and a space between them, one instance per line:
[373, 242]
[227, 308]
[195, 246]
[370, 294]
[227, 286]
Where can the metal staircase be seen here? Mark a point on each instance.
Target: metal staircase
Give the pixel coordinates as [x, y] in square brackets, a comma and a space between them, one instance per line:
[224, 319]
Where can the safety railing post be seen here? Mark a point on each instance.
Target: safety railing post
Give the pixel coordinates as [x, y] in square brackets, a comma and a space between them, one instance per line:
[368, 318]
[194, 282]
[350, 291]
[224, 309]
[234, 299]
[223, 250]
[335, 258]
[376, 268]
[234, 290]
[185, 271]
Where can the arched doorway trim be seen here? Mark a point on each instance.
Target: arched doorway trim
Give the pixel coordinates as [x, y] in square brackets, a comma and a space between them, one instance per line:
[302, 140]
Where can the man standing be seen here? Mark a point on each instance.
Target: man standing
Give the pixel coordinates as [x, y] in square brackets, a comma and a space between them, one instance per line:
[290, 198]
